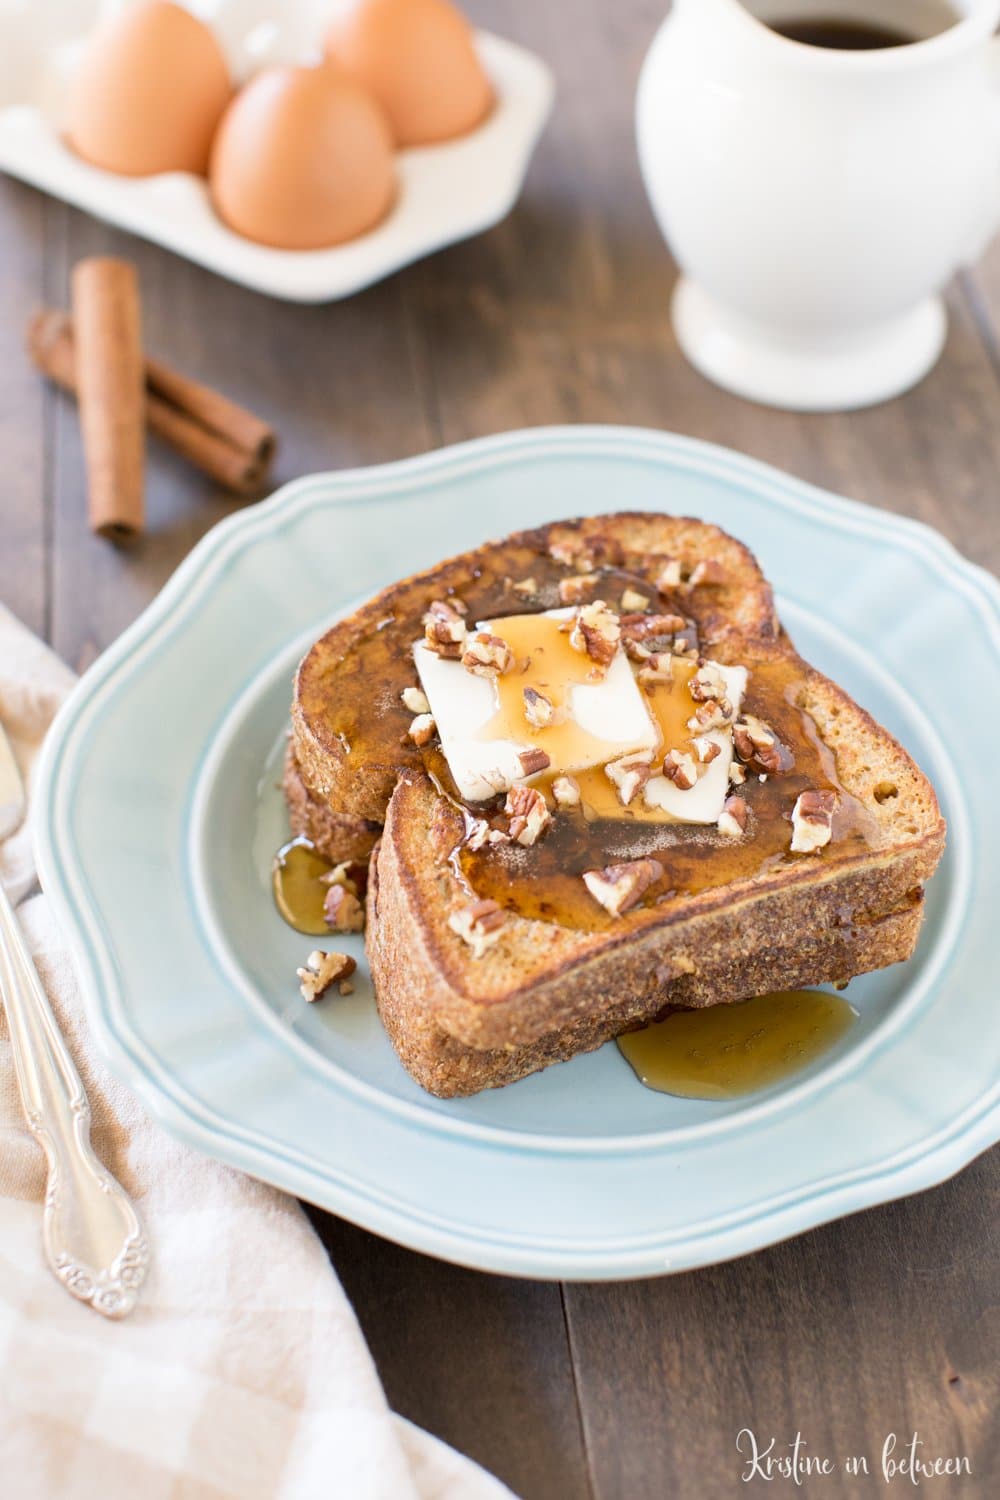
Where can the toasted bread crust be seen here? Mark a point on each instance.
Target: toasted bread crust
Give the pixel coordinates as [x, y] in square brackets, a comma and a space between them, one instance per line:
[412, 1004]
[341, 836]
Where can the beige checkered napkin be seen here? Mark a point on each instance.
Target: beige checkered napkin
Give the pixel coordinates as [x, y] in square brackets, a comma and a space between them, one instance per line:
[243, 1372]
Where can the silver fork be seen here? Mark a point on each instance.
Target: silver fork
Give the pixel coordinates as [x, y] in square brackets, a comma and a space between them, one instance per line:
[92, 1235]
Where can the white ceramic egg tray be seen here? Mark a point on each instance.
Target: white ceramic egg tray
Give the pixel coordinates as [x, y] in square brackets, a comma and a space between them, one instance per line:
[447, 192]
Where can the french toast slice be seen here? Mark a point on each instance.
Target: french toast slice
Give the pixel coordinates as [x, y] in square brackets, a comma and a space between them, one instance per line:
[553, 971]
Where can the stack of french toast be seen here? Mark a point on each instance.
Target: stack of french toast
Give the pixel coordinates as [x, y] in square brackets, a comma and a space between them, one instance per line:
[591, 780]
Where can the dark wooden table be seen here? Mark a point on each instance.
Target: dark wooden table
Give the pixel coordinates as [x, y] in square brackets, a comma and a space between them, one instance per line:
[888, 1322]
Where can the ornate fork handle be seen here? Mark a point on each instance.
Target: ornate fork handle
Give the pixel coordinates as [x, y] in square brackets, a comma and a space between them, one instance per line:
[92, 1235]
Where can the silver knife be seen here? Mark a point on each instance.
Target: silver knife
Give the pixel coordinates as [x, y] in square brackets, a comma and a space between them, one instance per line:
[91, 1232]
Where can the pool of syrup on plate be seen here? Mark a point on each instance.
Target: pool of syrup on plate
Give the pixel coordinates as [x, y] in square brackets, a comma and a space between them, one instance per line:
[298, 886]
[730, 1051]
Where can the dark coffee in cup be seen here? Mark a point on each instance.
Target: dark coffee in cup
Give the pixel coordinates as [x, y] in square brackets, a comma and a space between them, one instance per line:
[849, 33]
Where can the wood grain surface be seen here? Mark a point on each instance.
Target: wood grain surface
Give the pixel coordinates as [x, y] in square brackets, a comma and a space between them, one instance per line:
[887, 1322]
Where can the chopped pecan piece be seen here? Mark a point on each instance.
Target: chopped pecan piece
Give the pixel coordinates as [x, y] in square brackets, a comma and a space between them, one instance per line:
[533, 761]
[658, 666]
[708, 571]
[421, 731]
[812, 821]
[686, 640]
[526, 587]
[705, 749]
[343, 911]
[618, 887]
[487, 655]
[737, 773]
[629, 774]
[444, 627]
[680, 769]
[733, 818]
[529, 815]
[596, 632]
[757, 745]
[351, 875]
[708, 682]
[481, 832]
[566, 792]
[669, 576]
[415, 699]
[637, 627]
[479, 924]
[633, 602]
[321, 970]
[570, 552]
[576, 589]
[538, 709]
[710, 715]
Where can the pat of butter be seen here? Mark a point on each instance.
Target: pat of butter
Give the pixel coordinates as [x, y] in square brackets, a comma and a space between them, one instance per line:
[703, 802]
[481, 721]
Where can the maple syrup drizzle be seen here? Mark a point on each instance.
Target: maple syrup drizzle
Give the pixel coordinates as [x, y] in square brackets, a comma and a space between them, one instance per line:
[358, 698]
[730, 1051]
[298, 886]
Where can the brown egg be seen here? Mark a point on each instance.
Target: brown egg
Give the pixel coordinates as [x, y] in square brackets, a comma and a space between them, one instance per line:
[149, 93]
[419, 60]
[302, 159]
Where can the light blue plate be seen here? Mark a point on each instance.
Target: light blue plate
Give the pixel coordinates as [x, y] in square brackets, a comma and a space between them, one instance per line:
[158, 814]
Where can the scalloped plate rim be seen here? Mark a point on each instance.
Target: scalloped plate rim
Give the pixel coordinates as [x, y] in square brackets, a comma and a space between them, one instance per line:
[951, 1147]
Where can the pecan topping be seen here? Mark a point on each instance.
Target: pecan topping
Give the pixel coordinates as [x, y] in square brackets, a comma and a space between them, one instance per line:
[812, 821]
[705, 749]
[352, 875]
[415, 699]
[669, 576]
[629, 774]
[710, 715]
[658, 666]
[529, 815]
[526, 587]
[708, 682]
[480, 832]
[618, 887]
[444, 627]
[487, 655]
[321, 970]
[737, 773]
[708, 571]
[596, 632]
[757, 745]
[586, 554]
[633, 602]
[680, 769]
[479, 924]
[733, 818]
[421, 731]
[343, 911]
[538, 709]
[566, 792]
[648, 627]
[533, 761]
[569, 552]
[576, 589]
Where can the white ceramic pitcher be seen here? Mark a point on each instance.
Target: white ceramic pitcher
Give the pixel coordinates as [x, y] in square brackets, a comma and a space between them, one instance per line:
[816, 200]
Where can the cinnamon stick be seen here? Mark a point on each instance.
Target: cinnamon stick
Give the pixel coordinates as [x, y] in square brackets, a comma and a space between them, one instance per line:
[111, 390]
[224, 440]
